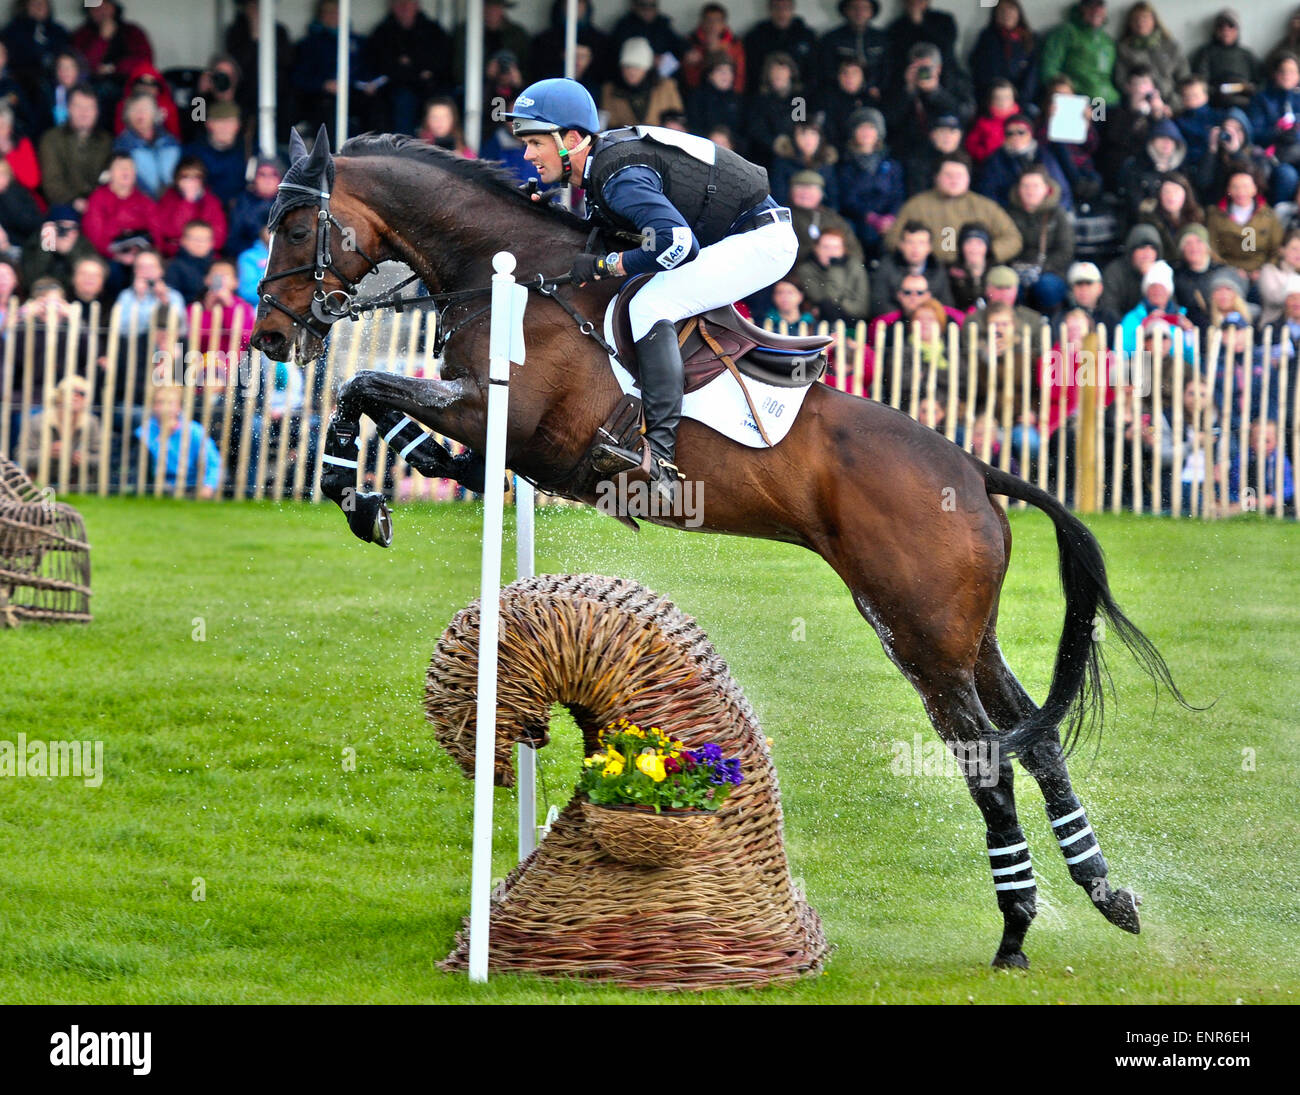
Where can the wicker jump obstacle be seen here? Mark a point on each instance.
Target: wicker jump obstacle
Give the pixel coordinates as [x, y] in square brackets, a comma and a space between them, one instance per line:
[730, 915]
[44, 556]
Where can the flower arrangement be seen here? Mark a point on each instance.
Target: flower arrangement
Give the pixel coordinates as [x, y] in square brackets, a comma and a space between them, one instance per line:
[648, 768]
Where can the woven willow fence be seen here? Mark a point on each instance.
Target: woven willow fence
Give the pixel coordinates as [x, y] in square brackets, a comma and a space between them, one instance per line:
[985, 395]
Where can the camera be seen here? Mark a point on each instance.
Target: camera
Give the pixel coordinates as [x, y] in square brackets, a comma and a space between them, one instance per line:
[924, 72]
[221, 81]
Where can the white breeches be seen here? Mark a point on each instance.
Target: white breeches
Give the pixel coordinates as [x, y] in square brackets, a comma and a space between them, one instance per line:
[722, 273]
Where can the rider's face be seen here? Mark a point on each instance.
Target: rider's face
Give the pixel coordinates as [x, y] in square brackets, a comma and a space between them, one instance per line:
[540, 151]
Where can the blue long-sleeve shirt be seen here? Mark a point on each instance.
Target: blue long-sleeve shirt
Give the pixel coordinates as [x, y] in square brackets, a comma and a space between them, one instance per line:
[203, 452]
[637, 193]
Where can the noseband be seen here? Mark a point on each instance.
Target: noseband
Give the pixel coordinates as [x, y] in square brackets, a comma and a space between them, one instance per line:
[326, 308]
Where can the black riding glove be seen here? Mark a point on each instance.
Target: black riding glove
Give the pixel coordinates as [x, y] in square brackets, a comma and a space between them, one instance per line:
[588, 268]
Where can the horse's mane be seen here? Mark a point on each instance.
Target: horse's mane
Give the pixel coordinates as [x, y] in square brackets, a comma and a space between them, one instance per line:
[482, 173]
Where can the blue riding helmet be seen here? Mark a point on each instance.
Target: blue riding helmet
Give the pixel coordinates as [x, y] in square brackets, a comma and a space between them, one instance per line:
[554, 105]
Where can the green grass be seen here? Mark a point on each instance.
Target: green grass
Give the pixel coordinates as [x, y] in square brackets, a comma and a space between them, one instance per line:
[224, 763]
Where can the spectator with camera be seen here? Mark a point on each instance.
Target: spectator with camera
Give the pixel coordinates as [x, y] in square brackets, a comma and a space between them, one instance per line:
[56, 247]
[148, 294]
[1230, 145]
[923, 96]
[836, 287]
[1131, 125]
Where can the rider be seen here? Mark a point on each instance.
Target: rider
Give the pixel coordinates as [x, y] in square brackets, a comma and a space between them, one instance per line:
[710, 233]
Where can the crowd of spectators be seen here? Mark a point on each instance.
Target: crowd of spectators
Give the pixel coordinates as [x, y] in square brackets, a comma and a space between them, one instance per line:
[1095, 172]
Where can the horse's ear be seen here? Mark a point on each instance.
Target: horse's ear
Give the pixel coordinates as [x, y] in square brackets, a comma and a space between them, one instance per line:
[319, 162]
[297, 146]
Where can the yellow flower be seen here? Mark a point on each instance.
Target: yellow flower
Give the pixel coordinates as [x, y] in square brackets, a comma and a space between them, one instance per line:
[652, 764]
[613, 765]
[636, 731]
[595, 759]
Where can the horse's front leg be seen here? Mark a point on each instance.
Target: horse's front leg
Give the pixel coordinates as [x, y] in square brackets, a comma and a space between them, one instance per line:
[396, 404]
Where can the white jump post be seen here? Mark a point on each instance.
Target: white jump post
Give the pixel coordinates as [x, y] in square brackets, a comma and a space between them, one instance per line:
[506, 343]
[526, 776]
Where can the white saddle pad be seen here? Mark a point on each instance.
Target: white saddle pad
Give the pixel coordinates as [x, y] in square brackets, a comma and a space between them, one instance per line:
[720, 404]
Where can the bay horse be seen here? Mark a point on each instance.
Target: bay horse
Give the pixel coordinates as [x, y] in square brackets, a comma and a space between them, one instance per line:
[904, 517]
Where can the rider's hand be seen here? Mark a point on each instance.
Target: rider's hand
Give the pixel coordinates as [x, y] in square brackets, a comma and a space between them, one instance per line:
[586, 268]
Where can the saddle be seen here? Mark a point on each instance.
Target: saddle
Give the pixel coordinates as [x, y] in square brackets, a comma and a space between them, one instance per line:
[707, 340]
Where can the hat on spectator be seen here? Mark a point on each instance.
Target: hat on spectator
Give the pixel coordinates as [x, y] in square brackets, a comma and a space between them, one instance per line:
[1083, 271]
[1166, 128]
[945, 121]
[875, 7]
[1231, 278]
[1002, 277]
[218, 111]
[270, 161]
[867, 115]
[63, 213]
[1161, 273]
[1228, 16]
[974, 230]
[808, 178]
[1018, 118]
[1197, 230]
[637, 53]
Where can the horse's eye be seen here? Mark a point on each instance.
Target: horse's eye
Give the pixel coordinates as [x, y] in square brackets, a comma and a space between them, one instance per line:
[298, 235]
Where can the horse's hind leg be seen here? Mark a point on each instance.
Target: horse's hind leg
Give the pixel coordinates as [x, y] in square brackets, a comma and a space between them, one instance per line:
[1007, 704]
[955, 709]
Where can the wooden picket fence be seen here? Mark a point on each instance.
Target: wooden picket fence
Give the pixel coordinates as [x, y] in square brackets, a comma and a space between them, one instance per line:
[278, 457]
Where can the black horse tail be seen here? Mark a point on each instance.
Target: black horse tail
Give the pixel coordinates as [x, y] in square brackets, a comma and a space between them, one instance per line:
[1076, 696]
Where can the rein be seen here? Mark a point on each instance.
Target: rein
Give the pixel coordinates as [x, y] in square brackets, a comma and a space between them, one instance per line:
[328, 308]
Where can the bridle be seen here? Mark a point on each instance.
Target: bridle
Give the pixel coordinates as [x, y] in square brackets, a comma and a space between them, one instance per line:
[327, 308]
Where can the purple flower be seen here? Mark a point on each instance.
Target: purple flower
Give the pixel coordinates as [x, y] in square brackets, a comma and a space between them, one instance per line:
[708, 754]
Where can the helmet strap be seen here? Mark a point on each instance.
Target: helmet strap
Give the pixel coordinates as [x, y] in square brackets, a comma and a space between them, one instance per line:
[566, 165]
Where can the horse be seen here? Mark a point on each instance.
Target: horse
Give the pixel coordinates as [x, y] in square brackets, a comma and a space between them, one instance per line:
[906, 518]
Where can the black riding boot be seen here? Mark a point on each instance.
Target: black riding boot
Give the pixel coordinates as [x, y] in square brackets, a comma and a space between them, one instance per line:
[662, 378]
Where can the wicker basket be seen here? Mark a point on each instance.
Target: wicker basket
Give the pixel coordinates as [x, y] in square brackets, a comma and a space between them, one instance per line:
[638, 835]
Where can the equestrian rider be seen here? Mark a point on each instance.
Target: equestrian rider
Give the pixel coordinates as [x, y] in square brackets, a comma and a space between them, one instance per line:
[710, 233]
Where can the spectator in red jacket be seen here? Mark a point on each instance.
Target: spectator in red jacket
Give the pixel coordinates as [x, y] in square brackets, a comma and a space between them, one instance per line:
[144, 77]
[119, 208]
[112, 47]
[188, 199]
[712, 35]
[18, 152]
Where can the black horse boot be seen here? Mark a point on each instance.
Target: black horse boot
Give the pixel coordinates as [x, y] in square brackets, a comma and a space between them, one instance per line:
[367, 512]
[662, 379]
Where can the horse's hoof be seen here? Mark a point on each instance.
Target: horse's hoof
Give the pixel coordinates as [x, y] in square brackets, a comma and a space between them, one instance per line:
[370, 519]
[1121, 909]
[1013, 960]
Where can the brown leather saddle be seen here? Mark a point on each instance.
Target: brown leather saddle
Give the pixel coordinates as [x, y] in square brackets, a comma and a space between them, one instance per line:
[708, 340]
